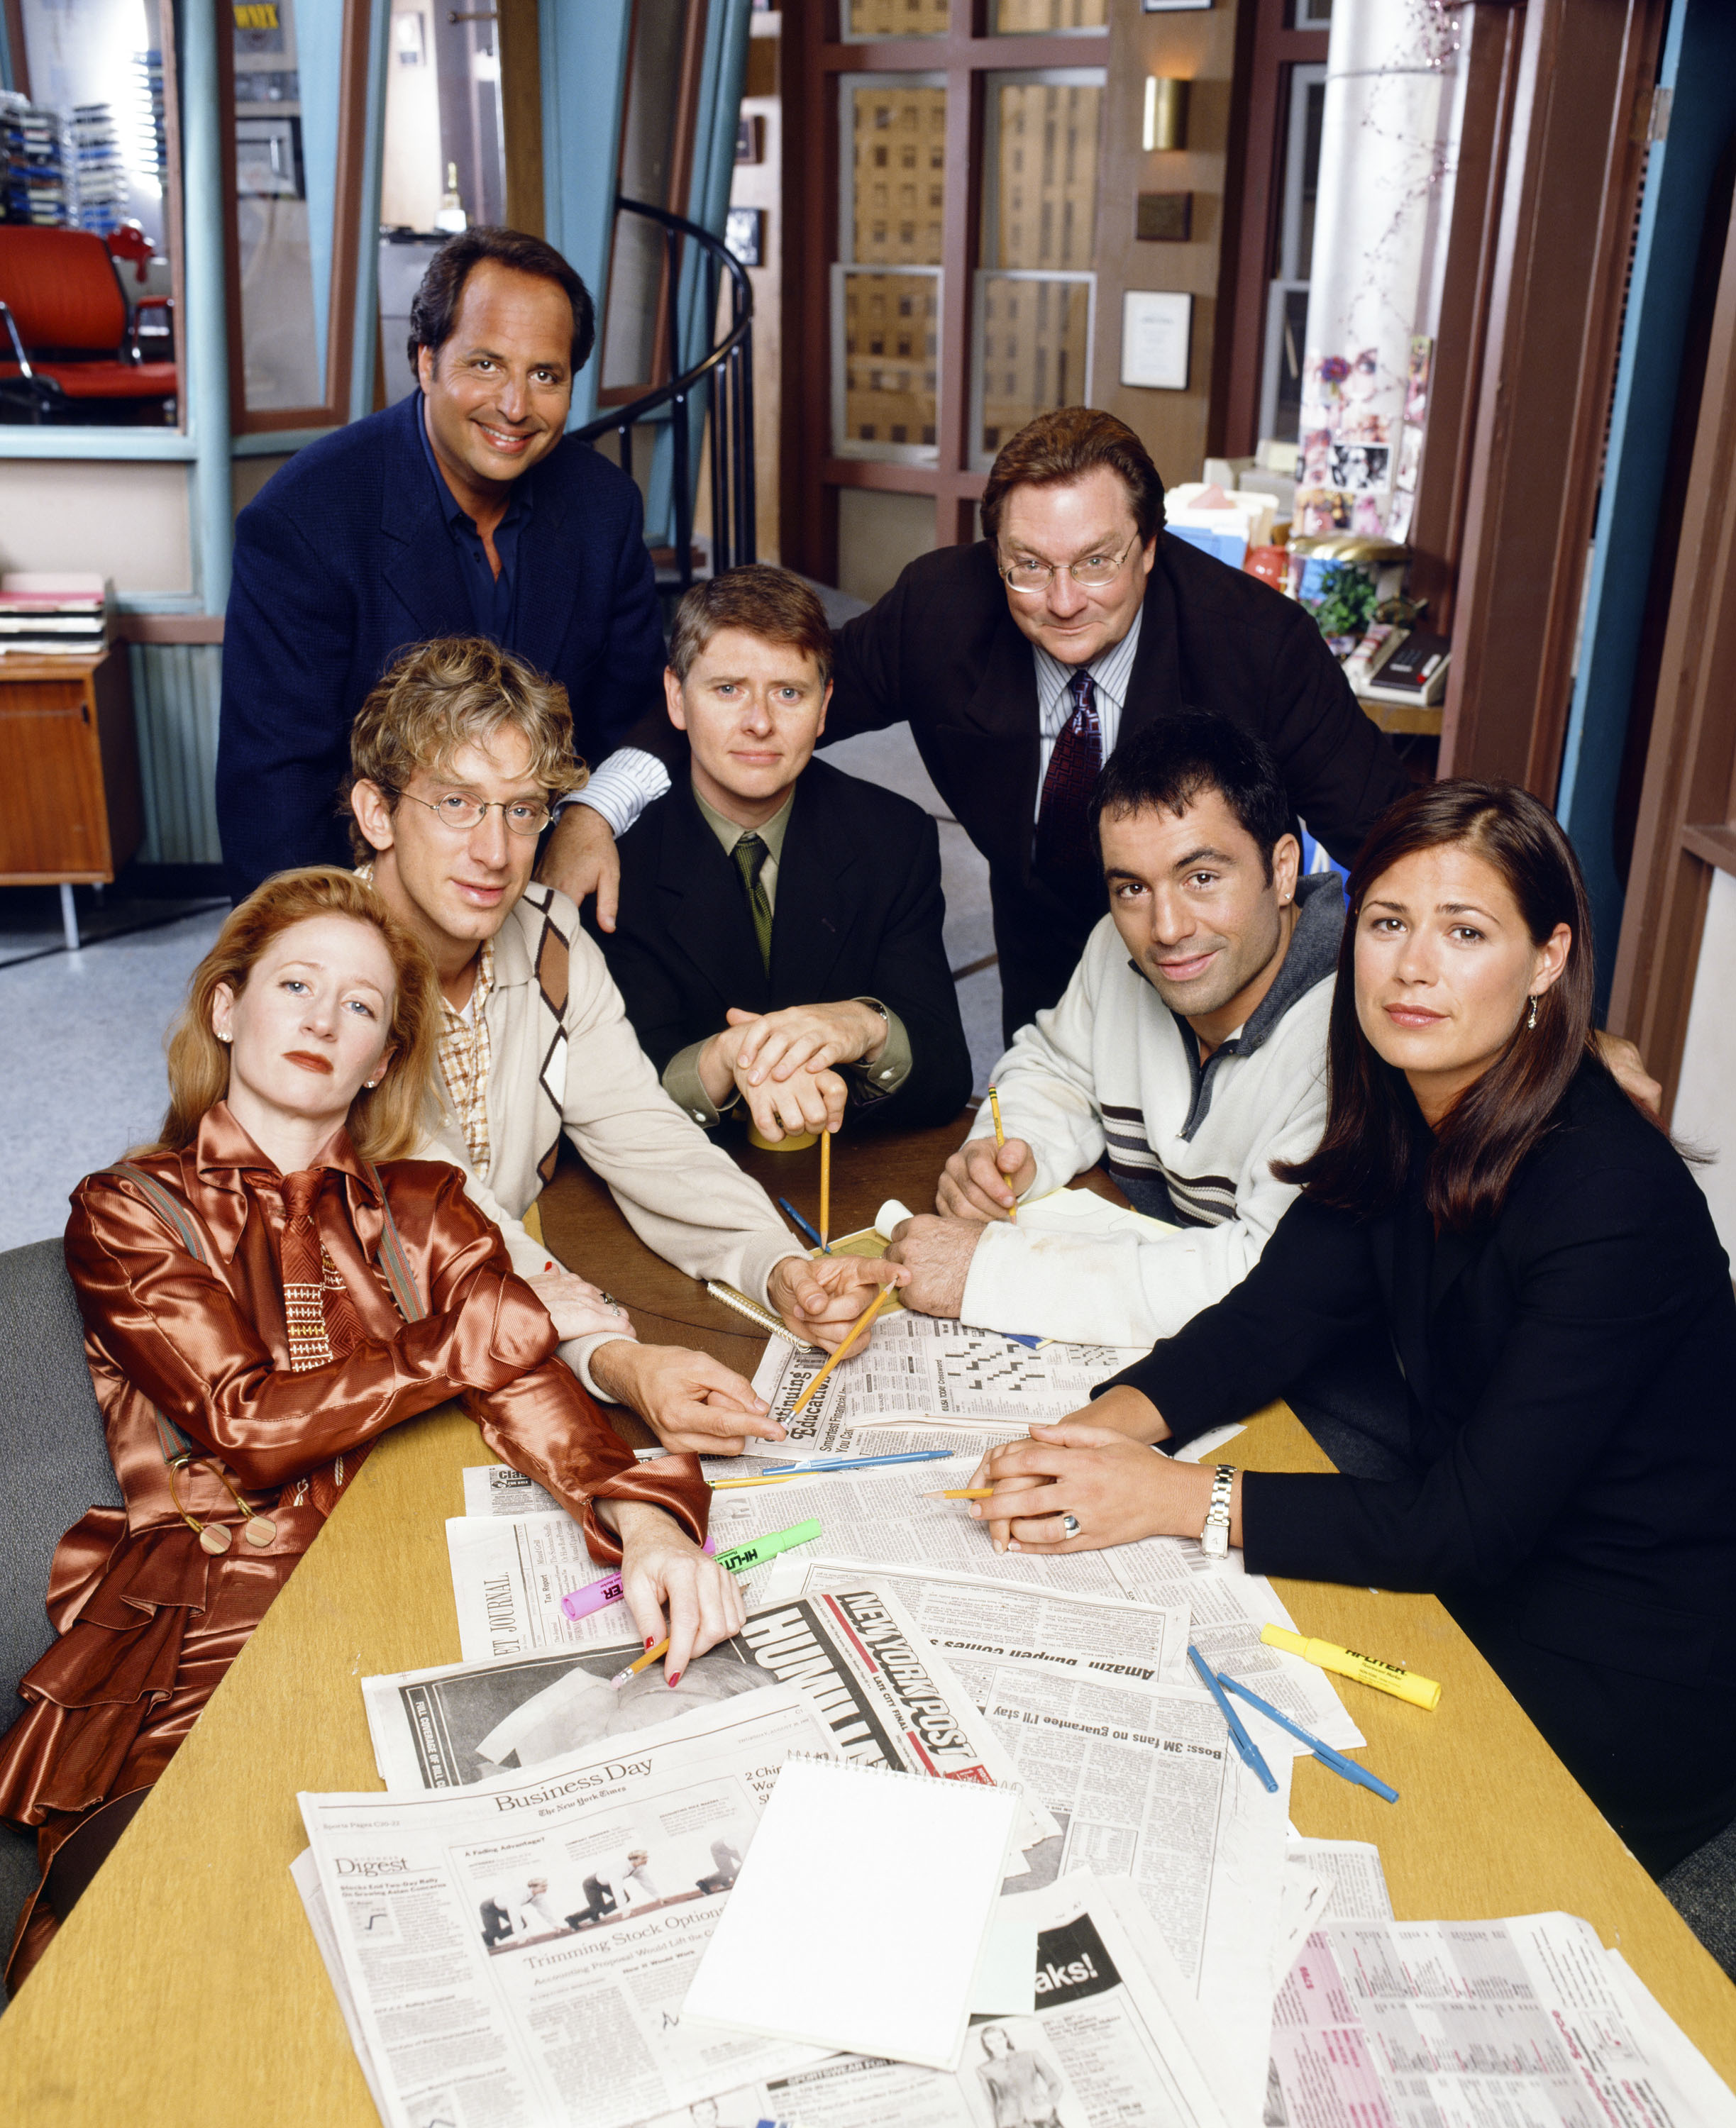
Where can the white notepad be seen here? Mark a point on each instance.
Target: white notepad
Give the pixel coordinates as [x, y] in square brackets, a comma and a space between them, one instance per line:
[859, 1919]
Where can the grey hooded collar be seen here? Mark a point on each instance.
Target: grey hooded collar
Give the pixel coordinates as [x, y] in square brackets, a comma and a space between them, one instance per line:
[1312, 956]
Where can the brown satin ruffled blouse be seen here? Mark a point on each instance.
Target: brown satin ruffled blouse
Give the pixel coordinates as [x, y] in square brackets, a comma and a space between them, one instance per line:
[149, 1622]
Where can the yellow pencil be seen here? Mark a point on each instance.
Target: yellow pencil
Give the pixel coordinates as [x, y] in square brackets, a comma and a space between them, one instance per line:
[994, 1102]
[958, 1493]
[735, 1485]
[825, 1193]
[857, 1327]
[639, 1663]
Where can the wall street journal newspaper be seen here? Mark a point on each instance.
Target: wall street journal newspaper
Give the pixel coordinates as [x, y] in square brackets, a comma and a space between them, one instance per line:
[518, 1953]
[881, 1692]
[1454, 2024]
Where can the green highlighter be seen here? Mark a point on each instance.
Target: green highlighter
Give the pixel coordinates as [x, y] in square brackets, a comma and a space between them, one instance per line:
[763, 1548]
[737, 1561]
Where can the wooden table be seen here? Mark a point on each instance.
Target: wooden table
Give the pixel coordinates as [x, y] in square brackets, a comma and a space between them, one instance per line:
[186, 1988]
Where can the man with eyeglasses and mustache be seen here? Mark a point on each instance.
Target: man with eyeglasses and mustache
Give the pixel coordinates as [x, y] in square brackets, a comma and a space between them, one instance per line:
[1020, 660]
[455, 758]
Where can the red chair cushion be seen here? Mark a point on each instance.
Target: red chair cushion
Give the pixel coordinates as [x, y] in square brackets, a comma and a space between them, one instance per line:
[103, 380]
[61, 289]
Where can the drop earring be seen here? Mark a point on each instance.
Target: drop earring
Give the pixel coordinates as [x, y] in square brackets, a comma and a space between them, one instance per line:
[1531, 1017]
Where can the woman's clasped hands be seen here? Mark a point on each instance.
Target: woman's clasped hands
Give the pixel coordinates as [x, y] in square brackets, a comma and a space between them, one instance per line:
[1091, 1481]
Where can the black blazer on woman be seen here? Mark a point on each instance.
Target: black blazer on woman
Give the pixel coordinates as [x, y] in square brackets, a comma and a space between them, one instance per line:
[859, 914]
[1572, 1492]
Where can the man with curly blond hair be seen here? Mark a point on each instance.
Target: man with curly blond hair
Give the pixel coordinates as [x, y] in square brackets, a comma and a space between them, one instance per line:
[457, 757]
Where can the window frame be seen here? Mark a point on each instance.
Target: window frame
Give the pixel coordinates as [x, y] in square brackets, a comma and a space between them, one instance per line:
[355, 68]
[816, 55]
[145, 441]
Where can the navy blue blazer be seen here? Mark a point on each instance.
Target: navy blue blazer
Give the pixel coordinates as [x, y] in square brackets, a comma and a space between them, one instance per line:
[343, 559]
[1571, 1491]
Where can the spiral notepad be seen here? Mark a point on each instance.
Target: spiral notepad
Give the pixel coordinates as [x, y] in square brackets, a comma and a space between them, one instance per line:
[860, 1917]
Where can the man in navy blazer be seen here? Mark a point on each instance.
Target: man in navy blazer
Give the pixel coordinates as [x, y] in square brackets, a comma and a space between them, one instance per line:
[464, 509]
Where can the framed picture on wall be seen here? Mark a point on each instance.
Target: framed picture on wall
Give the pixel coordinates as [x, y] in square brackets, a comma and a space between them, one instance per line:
[269, 157]
[1157, 328]
[745, 234]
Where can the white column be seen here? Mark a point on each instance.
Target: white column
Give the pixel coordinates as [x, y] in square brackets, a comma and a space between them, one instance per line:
[1388, 148]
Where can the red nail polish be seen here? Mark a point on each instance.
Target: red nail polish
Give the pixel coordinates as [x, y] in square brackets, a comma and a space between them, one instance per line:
[674, 1681]
[649, 1642]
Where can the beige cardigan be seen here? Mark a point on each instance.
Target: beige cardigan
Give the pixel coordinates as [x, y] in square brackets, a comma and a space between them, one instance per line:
[565, 1057]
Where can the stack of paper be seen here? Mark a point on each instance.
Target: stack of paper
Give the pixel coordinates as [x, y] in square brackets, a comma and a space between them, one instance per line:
[63, 614]
[868, 1895]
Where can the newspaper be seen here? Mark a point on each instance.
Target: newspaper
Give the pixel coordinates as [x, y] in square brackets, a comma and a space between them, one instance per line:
[976, 1624]
[941, 1373]
[1110, 2044]
[518, 1954]
[1356, 1883]
[1457, 2023]
[1137, 1772]
[1147, 1785]
[497, 1488]
[1343, 1875]
[880, 1519]
[882, 1693]
[510, 1571]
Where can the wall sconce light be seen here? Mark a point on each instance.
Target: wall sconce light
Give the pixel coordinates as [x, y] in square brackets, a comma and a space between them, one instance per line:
[1166, 114]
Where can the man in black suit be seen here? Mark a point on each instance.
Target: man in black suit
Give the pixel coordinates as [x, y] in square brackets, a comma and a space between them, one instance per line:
[765, 882]
[462, 510]
[1020, 661]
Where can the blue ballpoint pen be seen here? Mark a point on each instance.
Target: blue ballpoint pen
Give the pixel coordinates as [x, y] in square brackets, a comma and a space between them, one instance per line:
[1245, 1746]
[812, 1232]
[859, 1462]
[1346, 1769]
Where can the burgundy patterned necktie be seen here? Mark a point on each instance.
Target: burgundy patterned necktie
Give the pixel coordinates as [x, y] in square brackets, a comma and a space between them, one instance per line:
[319, 1316]
[1066, 855]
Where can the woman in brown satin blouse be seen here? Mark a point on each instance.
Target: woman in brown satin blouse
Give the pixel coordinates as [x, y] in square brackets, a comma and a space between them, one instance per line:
[264, 1291]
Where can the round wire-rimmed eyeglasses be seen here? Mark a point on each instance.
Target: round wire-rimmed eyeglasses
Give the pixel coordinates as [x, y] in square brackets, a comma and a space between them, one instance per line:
[523, 816]
[1094, 571]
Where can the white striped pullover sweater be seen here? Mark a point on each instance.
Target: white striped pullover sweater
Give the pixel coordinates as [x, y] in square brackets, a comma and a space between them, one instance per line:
[1110, 1073]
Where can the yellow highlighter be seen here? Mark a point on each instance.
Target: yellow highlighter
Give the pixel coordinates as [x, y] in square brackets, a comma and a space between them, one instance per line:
[1385, 1677]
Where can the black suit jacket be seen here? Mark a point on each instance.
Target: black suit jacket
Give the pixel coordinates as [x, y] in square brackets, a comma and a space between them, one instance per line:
[858, 915]
[942, 652]
[1571, 1378]
[343, 559]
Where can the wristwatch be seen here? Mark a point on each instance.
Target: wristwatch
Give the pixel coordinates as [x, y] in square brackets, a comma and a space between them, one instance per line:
[1214, 1538]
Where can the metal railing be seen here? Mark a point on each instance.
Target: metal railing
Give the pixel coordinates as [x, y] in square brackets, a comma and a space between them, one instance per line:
[720, 382]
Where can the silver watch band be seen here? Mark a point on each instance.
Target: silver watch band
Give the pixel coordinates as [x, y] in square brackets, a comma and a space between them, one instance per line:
[1214, 1534]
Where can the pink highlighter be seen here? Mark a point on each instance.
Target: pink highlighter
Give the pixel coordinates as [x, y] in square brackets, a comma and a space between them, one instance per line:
[581, 1603]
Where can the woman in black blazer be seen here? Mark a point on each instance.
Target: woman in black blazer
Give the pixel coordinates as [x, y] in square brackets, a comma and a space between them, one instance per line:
[1548, 1273]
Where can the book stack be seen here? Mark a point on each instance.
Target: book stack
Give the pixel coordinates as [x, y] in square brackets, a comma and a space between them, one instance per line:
[62, 614]
[101, 174]
[38, 184]
[148, 117]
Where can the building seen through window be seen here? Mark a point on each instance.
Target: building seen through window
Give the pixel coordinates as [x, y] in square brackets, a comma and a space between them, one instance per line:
[1036, 290]
[895, 197]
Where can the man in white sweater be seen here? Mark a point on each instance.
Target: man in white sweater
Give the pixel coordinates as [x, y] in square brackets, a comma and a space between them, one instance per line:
[455, 758]
[1188, 1054]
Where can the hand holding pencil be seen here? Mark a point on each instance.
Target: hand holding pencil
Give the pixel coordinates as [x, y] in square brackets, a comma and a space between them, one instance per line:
[820, 1298]
[984, 1179]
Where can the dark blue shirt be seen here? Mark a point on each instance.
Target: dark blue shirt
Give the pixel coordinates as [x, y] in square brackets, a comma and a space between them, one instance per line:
[492, 605]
